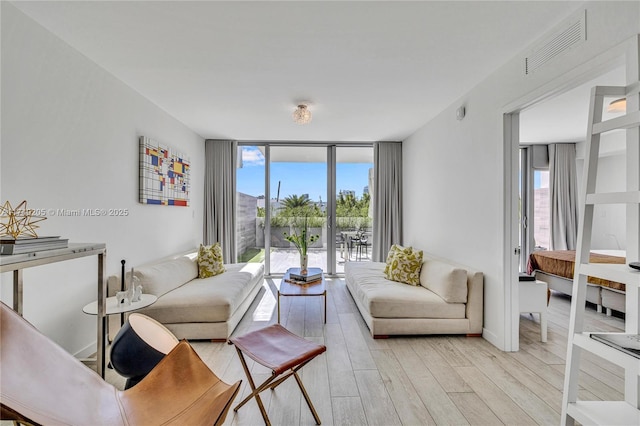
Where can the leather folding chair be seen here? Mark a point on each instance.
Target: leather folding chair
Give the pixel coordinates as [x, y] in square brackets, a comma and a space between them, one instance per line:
[40, 383]
[282, 352]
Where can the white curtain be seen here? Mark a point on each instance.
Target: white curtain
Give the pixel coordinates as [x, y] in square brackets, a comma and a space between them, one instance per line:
[220, 196]
[563, 196]
[387, 198]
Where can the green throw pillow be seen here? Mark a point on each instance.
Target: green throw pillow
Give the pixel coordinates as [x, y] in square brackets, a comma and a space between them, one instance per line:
[396, 248]
[405, 266]
[210, 261]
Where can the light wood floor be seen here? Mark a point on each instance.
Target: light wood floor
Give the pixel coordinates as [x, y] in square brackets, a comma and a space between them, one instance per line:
[411, 380]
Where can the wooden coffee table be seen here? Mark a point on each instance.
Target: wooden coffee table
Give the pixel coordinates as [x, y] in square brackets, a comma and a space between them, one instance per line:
[317, 288]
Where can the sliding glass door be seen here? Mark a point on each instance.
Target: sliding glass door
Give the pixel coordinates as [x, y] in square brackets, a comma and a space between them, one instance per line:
[280, 186]
[250, 204]
[535, 216]
[298, 186]
[353, 206]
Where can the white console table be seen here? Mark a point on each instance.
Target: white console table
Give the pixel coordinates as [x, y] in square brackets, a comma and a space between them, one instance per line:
[18, 262]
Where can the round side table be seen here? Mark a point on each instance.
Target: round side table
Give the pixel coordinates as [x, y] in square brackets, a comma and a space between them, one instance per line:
[112, 307]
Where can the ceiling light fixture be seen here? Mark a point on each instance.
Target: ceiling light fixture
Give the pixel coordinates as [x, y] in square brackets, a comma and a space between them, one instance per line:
[302, 115]
[619, 105]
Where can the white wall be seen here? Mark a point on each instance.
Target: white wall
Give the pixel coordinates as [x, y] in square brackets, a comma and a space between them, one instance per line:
[453, 170]
[609, 230]
[70, 141]
[609, 221]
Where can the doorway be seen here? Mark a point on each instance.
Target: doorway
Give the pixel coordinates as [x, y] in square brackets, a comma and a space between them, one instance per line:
[559, 116]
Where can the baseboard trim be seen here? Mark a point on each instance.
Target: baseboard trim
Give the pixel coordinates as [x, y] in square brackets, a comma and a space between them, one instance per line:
[493, 339]
[87, 352]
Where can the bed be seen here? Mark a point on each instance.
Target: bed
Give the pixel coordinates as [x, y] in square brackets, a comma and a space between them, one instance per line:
[556, 268]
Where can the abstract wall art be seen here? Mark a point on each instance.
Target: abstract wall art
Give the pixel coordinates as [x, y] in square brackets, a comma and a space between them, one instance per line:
[164, 174]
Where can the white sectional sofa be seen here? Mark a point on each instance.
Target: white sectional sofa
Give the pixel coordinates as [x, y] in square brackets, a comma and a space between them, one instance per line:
[194, 308]
[448, 301]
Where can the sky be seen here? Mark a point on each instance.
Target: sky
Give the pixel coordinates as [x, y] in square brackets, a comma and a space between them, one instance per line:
[311, 178]
[541, 179]
[298, 178]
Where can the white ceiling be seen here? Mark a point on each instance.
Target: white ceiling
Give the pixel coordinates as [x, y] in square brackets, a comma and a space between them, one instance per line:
[370, 70]
[564, 118]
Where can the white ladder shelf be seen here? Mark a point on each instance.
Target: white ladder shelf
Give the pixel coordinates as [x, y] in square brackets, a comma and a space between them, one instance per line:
[625, 412]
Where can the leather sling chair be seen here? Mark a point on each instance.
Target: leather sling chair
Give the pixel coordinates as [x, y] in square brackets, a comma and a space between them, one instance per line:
[40, 383]
[281, 351]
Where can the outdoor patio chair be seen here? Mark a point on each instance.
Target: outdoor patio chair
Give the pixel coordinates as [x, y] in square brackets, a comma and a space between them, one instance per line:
[362, 242]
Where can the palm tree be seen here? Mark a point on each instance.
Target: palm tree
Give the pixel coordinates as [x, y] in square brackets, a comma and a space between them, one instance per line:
[299, 208]
[296, 201]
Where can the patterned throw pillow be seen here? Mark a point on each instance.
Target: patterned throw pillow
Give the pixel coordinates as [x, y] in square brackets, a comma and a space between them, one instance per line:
[396, 248]
[210, 261]
[405, 266]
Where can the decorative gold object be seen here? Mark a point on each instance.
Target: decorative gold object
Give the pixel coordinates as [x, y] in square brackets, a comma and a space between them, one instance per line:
[19, 221]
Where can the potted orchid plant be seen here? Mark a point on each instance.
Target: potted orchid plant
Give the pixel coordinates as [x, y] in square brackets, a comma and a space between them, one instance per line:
[302, 241]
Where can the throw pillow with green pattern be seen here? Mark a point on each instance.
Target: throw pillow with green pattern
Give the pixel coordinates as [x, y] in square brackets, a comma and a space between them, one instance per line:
[405, 266]
[396, 248]
[210, 261]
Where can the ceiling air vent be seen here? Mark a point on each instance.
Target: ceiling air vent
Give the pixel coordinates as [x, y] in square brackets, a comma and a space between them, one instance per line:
[570, 33]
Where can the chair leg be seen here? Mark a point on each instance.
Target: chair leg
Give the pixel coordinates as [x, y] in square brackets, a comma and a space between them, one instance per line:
[273, 385]
[255, 392]
[272, 382]
[287, 375]
[306, 397]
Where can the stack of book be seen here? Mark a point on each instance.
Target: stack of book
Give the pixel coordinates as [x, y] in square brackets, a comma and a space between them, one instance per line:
[312, 275]
[22, 245]
[628, 343]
